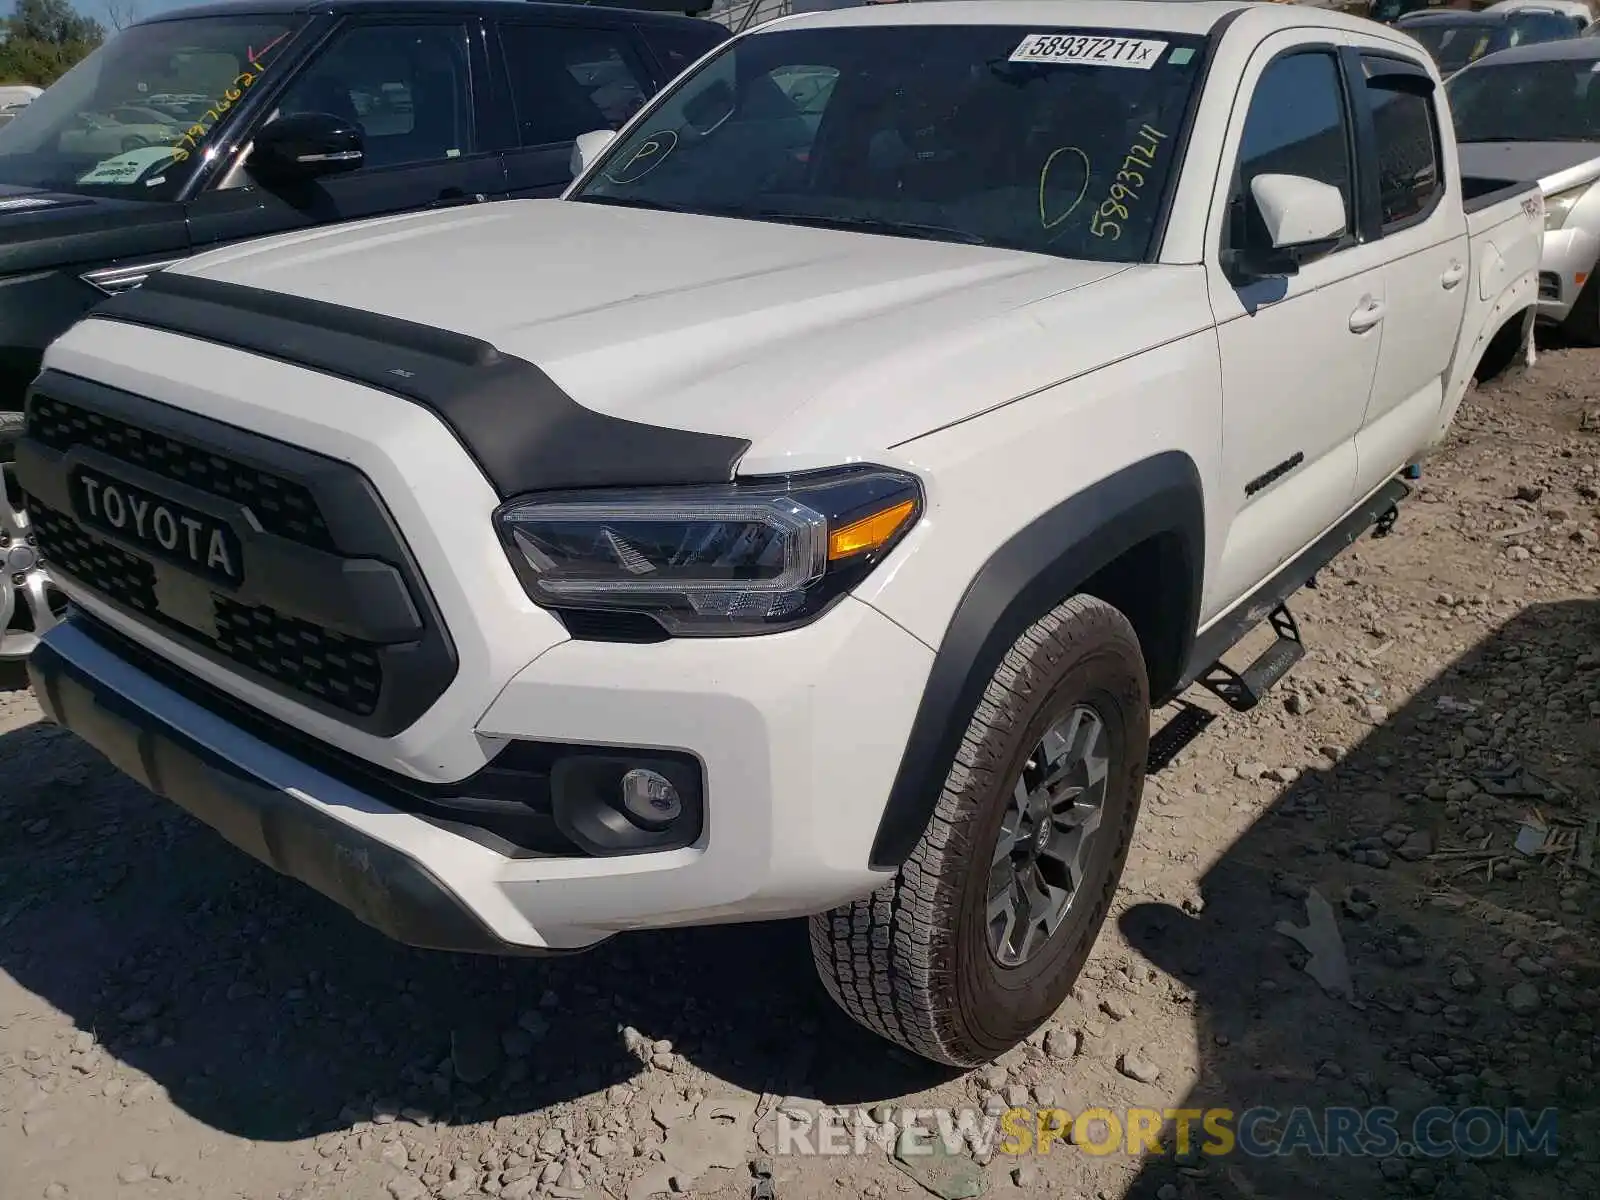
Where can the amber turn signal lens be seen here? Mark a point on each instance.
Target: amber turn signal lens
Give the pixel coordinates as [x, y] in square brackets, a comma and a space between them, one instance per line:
[868, 533]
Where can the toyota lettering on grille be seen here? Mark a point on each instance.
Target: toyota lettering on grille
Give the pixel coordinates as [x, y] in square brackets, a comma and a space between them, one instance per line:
[161, 527]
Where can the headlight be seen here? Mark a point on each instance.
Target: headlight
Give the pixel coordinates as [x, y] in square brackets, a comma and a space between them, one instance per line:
[748, 557]
[1558, 207]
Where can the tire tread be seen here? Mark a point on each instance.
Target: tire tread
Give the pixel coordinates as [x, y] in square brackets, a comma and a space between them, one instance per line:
[876, 957]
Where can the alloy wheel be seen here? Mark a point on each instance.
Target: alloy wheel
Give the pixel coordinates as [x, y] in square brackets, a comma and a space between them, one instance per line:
[1047, 835]
[30, 606]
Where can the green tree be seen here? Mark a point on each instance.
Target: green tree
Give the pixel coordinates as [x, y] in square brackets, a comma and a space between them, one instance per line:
[43, 39]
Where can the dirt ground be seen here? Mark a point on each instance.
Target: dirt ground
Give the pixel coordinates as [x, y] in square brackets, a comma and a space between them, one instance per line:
[176, 1022]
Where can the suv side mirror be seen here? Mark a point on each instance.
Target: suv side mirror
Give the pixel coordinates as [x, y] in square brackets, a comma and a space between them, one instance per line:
[1302, 219]
[589, 147]
[305, 146]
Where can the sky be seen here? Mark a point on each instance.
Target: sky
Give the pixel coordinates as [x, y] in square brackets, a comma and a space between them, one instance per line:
[98, 8]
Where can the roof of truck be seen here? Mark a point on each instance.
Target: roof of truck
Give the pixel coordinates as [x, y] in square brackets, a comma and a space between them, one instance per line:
[1174, 16]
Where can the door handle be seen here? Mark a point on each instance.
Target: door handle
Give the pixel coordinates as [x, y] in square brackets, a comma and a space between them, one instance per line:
[1453, 275]
[453, 196]
[1368, 315]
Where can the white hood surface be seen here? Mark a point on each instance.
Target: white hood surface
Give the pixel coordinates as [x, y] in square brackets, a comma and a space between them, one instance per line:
[705, 323]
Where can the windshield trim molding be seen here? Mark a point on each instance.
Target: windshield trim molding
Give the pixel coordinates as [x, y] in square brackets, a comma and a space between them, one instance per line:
[1169, 192]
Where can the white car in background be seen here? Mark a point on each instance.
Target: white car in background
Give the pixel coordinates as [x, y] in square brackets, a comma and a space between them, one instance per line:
[1534, 112]
[14, 98]
[1581, 13]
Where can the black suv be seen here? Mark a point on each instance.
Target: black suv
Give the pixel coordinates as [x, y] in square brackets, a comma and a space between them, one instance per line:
[215, 124]
[212, 125]
[1457, 38]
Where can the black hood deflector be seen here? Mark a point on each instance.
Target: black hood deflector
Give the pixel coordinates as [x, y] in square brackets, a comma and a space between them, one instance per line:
[524, 432]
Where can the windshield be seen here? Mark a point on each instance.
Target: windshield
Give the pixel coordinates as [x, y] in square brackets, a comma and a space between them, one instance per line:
[1455, 44]
[1057, 142]
[1553, 101]
[137, 116]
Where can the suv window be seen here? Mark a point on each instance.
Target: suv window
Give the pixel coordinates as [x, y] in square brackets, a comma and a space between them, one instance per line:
[135, 118]
[1298, 124]
[567, 81]
[407, 86]
[1407, 132]
[1540, 27]
[676, 49]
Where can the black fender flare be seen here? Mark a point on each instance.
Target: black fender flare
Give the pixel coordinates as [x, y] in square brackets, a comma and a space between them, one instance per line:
[1039, 566]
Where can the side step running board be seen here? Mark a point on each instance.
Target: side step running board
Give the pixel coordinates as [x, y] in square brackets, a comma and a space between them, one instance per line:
[1377, 513]
[1242, 690]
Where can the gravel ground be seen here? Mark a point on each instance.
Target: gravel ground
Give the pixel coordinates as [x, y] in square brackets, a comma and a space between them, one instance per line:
[176, 1022]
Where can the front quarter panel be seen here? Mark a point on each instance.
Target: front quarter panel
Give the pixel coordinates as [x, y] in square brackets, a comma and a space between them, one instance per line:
[989, 476]
[1025, 504]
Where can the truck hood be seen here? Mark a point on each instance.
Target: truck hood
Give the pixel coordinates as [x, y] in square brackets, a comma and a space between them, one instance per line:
[1556, 165]
[704, 323]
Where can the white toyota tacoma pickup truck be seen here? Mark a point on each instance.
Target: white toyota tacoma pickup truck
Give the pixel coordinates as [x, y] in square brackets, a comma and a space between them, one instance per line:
[803, 514]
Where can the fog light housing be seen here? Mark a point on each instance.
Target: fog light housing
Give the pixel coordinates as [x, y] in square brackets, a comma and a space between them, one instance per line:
[629, 803]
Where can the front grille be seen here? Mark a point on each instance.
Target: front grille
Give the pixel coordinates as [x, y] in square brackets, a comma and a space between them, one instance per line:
[338, 670]
[283, 508]
[307, 622]
[121, 576]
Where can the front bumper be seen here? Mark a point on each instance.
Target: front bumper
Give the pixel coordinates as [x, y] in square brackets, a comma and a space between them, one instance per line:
[800, 735]
[1569, 258]
[140, 727]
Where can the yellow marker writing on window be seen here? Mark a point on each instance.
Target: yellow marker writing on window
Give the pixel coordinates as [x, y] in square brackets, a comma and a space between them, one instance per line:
[1077, 155]
[227, 100]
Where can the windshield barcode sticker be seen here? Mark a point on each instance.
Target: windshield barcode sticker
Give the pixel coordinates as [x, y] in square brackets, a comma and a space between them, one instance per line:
[1139, 53]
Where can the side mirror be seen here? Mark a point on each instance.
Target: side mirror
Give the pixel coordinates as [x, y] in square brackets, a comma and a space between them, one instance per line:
[1300, 214]
[1301, 218]
[306, 146]
[589, 147]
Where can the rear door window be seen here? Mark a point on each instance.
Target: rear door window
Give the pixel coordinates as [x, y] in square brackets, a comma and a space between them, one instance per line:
[1406, 128]
[567, 80]
[677, 49]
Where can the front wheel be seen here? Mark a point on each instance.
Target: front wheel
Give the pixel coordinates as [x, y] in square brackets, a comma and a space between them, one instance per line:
[984, 929]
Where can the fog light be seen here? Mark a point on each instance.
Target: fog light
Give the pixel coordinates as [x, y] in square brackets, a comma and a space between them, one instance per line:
[632, 802]
[649, 799]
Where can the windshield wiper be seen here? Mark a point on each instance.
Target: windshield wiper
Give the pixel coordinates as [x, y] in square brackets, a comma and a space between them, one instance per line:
[937, 233]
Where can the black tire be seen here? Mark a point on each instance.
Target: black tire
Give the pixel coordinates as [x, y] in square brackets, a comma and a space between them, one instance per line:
[913, 962]
[1582, 325]
[1503, 349]
[11, 424]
